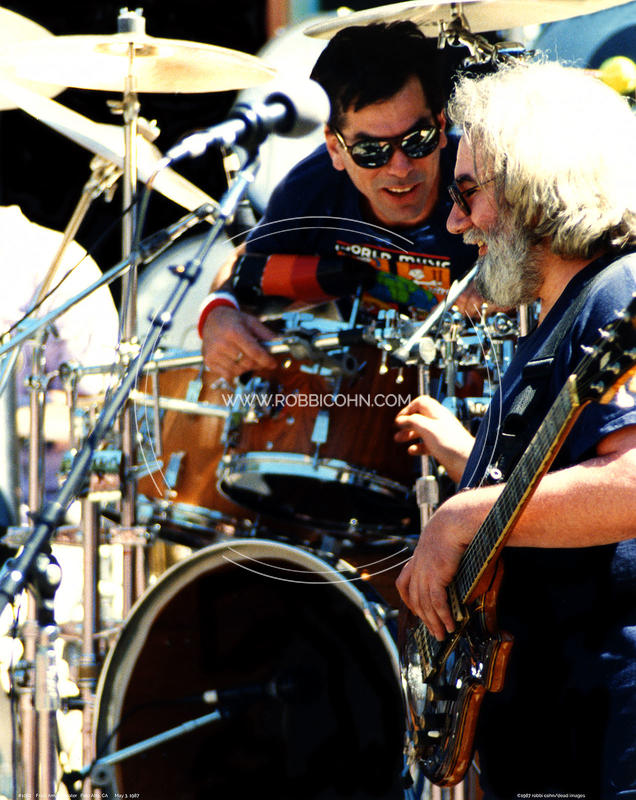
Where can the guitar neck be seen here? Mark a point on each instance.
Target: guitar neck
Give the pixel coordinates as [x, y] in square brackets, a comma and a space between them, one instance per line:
[535, 462]
[492, 533]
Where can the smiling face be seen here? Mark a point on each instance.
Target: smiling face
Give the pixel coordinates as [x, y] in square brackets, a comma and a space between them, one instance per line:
[404, 191]
[509, 264]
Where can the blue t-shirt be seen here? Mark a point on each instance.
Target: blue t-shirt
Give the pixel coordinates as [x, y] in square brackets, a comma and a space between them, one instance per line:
[566, 718]
[316, 210]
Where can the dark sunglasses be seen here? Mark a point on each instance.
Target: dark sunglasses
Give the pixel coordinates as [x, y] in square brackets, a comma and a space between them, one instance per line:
[374, 153]
[459, 196]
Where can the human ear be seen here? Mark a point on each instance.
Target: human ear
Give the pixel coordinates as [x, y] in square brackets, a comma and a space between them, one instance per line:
[334, 149]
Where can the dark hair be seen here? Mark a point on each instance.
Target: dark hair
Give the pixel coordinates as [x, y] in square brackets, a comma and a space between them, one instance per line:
[365, 64]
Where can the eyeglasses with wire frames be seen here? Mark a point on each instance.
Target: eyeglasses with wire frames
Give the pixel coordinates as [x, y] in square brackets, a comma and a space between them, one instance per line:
[459, 196]
[372, 153]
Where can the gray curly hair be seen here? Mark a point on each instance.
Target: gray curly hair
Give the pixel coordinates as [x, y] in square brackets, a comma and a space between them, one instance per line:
[561, 148]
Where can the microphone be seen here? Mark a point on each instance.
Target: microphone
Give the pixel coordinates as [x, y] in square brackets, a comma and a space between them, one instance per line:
[290, 686]
[293, 112]
[156, 243]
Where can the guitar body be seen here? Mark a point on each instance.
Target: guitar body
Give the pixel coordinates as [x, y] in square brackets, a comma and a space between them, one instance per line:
[443, 699]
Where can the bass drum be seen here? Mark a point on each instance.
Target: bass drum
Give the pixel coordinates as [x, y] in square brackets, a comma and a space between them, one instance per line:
[313, 704]
[156, 281]
[292, 54]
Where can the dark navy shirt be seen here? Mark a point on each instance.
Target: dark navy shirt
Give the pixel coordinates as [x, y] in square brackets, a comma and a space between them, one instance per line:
[316, 210]
[566, 719]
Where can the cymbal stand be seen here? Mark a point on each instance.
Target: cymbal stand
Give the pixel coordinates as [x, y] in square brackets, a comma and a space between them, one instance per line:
[102, 179]
[457, 33]
[133, 557]
[426, 487]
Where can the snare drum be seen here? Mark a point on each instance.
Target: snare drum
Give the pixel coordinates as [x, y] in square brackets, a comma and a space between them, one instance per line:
[306, 449]
[305, 668]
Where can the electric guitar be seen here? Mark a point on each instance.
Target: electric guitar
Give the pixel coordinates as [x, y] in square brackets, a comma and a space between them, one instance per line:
[445, 682]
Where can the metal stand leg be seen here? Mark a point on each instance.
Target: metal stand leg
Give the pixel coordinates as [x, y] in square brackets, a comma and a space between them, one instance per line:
[88, 668]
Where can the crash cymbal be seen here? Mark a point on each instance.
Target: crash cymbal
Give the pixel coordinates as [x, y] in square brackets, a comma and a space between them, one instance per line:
[16, 28]
[158, 65]
[480, 15]
[106, 141]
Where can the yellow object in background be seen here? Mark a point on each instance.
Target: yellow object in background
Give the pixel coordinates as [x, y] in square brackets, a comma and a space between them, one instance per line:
[619, 72]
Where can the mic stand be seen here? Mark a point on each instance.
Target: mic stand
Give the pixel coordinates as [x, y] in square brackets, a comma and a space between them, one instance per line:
[405, 352]
[30, 636]
[17, 572]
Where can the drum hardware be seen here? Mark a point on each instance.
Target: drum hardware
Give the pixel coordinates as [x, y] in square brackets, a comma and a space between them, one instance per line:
[322, 342]
[435, 19]
[106, 141]
[407, 351]
[17, 536]
[303, 458]
[14, 577]
[426, 485]
[104, 62]
[186, 406]
[16, 572]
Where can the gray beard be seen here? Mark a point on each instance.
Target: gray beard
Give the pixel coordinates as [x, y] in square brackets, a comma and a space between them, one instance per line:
[509, 273]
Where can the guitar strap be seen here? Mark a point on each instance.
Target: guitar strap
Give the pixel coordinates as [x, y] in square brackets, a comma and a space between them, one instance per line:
[531, 403]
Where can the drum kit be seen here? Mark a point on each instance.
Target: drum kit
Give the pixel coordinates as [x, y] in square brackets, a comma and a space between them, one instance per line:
[231, 670]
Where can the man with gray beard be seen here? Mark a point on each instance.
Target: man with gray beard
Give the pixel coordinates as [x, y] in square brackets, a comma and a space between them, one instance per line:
[545, 185]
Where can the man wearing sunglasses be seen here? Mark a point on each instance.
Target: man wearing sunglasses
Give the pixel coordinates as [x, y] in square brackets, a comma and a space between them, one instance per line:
[373, 195]
[550, 201]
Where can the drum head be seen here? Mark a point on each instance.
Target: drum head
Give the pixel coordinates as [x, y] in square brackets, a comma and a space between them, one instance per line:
[237, 617]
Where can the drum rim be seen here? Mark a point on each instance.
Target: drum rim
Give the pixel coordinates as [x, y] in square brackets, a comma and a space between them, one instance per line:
[163, 512]
[307, 467]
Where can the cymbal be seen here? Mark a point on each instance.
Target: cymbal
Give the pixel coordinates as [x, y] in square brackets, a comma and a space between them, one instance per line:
[16, 28]
[106, 141]
[481, 15]
[158, 65]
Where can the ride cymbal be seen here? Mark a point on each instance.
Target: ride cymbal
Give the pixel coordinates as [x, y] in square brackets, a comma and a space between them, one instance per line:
[480, 15]
[158, 65]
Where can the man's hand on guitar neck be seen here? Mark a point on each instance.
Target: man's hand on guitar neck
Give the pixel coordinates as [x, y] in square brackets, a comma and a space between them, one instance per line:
[425, 577]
